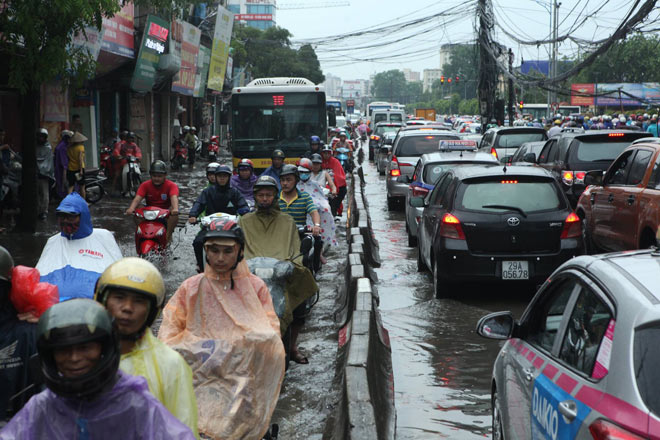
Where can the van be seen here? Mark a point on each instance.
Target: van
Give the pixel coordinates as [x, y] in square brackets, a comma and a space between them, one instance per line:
[389, 115]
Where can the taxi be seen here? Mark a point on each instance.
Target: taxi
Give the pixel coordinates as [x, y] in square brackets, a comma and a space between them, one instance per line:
[582, 362]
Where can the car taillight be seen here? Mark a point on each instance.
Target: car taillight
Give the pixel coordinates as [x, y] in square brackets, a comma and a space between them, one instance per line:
[418, 191]
[615, 135]
[572, 226]
[450, 227]
[394, 169]
[604, 430]
[567, 177]
[579, 177]
[493, 152]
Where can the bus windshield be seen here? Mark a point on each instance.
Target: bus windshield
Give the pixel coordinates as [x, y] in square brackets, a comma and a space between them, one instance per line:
[262, 122]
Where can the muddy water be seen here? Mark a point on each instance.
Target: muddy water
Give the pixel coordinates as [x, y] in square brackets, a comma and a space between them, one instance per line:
[442, 369]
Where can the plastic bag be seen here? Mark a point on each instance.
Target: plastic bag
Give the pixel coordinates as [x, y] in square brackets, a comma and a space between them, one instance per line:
[28, 294]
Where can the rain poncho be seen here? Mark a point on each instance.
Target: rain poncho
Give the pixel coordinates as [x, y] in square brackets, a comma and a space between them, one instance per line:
[61, 165]
[168, 375]
[244, 186]
[327, 221]
[74, 263]
[127, 411]
[45, 164]
[274, 234]
[231, 339]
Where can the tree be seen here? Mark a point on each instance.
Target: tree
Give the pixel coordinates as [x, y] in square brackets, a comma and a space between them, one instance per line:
[389, 86]
[464, 63]
[413, 92]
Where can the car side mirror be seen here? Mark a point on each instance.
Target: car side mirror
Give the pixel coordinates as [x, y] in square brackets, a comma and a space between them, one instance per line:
[594, 177]
[388, 141]
[529, 157]
[417, 202]
[499, 325]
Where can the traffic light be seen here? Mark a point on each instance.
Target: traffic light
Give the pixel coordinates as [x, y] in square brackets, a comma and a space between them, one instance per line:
[457, 79]
[521, 105]
[449, 80]
[442, 80]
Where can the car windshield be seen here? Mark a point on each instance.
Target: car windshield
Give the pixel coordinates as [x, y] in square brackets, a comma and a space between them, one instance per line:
[413, 146]
[433, 170]
[396, 117]
[510, 194]
[386, 129]
[599, 151]
[514, 140]
[646, 358]
[380, 117]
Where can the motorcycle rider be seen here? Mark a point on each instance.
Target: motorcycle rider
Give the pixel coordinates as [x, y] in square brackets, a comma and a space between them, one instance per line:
[237, 382]
[311, 187]
[315, 145]
[330, 162]
[217, 198]
[87, 395]
[342, 141]
[161, 192]
[121, 153]
[74, 258]
[191, 143]
[275, 169]
[75, 173]
[244, 180]
[45, 172]
[320, 176]
[210, 173]
[18, 342]
[133, 291]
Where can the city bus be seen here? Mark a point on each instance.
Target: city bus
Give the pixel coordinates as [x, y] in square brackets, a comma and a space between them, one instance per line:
[539, 111]
[336, 103]
[276, 113]
[377, 105]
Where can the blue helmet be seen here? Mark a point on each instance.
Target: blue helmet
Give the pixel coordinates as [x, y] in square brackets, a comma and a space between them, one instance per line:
[314, 140]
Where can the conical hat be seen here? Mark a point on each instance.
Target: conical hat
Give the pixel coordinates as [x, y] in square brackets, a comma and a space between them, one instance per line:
[78, 138]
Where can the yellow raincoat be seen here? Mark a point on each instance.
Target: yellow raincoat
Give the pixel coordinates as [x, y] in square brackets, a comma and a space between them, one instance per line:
[168, 375]
[231, 339]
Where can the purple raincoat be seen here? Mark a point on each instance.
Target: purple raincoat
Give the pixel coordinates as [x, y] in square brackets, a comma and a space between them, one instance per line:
[127, 411]
[61, 164]
[244, 186]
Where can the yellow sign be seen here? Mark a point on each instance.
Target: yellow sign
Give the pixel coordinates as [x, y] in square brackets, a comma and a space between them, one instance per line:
[220, 50]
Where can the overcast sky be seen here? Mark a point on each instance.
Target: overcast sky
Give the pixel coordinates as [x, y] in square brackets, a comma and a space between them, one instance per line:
[527, 19]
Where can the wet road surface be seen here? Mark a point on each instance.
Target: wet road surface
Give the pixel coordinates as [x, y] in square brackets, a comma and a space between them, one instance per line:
[442, 368]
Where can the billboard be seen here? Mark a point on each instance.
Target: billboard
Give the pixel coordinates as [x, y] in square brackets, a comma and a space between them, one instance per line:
[616, 94]
[118, 32]
[254, 17]
[184, 41]
[224, 23]
[153, 46]
[579, 90]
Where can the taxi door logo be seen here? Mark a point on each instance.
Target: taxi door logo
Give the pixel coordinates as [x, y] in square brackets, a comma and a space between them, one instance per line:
[547, 421]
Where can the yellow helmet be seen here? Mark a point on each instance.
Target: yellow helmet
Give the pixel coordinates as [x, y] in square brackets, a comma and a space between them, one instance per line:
[134, 275]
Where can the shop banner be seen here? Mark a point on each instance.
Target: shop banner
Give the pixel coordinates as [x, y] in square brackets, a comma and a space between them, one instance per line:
[203, 62]
[578, 92]
[185, 39]
[221, 39]
[118, 32]
[54, 103]
[154, 42]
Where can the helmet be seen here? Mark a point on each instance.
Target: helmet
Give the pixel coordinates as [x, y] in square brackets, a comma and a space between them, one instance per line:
[342, 133]
[122, 134]
[158, 166]
[186, 128]
[75, 322]
[224, 228]
[265, 182]
[304, 166]
[326, 148]
[67, 133]
[214, 139]
[130, 135]
[557, 121]
[6, 264]
[135, 275]
[210, 168]
[288, 169]
[245, 163]
[223, 169]
[193, 128]
[314, 140]
[278, 154]
[43, 131]
[316, 158]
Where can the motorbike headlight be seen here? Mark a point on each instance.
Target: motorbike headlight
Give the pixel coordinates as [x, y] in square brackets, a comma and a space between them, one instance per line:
[151, 215]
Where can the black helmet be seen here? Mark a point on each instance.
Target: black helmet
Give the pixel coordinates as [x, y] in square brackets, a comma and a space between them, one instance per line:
[265, 182]
[6, 264]
[75, 322]
[130, 135]
[316, 158]
[278, 154]
[158, 166]
[290, 169]
[223, 169]
[210, 168]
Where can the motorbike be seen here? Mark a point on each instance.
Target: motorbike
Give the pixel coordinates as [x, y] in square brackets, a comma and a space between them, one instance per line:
[130, 176]
[213, 149]
[106, 160]
[151, 231]
[343, 155]
[180, 156]
[310, 248]
[94, 178]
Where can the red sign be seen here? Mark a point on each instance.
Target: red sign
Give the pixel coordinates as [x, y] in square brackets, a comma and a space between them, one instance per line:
[158, 31]
[350, 103]
[578, 92]
[118, 32]
[254, 17]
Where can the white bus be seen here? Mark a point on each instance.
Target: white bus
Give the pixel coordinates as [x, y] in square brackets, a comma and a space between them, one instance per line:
[276, 113]
[539, 111]
[377, 105]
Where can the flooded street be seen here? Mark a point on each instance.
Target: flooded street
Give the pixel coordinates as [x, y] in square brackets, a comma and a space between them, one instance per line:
[442, 368]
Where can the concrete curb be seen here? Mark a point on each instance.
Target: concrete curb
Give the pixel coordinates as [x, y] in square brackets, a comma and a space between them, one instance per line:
[367, 408]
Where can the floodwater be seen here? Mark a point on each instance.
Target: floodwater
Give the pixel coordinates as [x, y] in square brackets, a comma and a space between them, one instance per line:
[308, 394]
[442, 368]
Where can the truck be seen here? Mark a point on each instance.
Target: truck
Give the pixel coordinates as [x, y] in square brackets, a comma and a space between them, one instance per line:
[426, 113]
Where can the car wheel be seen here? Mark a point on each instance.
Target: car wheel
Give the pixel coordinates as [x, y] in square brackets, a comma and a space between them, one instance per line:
[391, 204]
[437, 286]
[421, 267]
[498, 427]
[371, 154]
[412, 240]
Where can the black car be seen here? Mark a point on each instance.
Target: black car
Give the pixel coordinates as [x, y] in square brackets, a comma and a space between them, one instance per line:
[375, 139]
[570, 154]
[487, 223]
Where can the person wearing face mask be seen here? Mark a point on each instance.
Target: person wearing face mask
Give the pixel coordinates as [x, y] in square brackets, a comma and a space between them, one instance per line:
[311, 187]
[75, 258]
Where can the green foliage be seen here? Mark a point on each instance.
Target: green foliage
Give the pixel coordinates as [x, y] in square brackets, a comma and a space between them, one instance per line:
[390, 86]
[268, 53]
[464, 63]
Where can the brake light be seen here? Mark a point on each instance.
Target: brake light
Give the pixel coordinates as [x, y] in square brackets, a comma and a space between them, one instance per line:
[509, 181]
[579, 176]
[493, 152]
[615, 135]
[567, 177]
[572, 226]
[450, 227]
[395, 172]
[604, 430]
[418, 191]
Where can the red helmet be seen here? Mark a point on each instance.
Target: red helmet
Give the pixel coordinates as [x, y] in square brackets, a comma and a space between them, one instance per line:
[215, 139]
[304, 165]
[245, 163]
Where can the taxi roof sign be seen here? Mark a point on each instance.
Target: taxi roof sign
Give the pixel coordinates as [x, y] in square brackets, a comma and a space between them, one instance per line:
[457, 145]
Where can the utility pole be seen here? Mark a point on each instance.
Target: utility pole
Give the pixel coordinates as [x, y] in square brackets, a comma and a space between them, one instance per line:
[511, 91]
[555, 34]
[487, 64]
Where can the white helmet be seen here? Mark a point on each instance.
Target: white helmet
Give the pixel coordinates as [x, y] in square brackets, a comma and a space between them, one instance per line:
[43, 131]
[622, 118]
[615, 121]
[185, 128]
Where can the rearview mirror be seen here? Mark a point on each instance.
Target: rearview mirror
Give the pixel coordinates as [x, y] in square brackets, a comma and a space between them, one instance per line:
[497, 325]
[529, 157]
[417, 202]
[594, 177]
[388, 141]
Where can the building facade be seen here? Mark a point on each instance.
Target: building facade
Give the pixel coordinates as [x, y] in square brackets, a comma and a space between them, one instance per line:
[430, 75]
[332, 85]
[410, 75]
[259, 14]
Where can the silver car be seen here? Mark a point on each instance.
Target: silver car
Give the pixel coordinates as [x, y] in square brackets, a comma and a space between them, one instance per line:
[582, 362]
[428, 169]
[408, 147]
[383, 151]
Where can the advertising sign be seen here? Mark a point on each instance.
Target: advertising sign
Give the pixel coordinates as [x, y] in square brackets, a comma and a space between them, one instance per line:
[203, 62]
[118, 32]
[254, 17]
[54, 102]
[220, 51]
[579, 90]
[185, 39]
[153, 46]
[90, 41]
[619, 94]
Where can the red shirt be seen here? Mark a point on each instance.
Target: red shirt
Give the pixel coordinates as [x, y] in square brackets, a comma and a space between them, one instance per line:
[337, 170]
[158, 195]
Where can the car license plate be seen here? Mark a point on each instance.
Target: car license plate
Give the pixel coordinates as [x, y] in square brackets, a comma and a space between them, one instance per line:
[515, 270]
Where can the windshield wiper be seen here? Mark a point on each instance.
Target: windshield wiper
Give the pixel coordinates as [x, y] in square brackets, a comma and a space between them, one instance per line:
[513, 208]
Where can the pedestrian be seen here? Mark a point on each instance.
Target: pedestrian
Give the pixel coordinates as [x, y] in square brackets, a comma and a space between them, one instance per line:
[61, 164]
[75, 173]
[76, 123]
[45, 172]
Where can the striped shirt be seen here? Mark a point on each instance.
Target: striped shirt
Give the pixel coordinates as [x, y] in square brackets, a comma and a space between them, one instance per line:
[299, 207]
